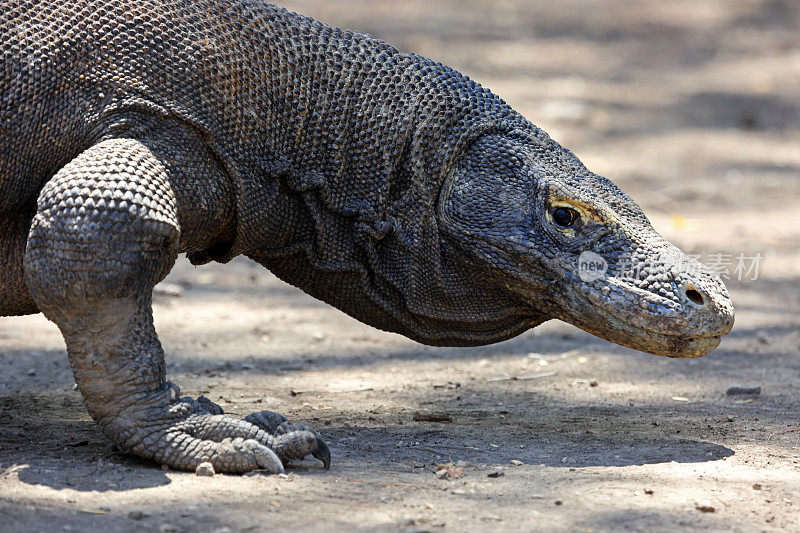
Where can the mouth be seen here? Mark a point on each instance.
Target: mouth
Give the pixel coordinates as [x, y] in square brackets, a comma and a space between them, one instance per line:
[669, 336]
[674, 346]
[607, 326]
[649, 323]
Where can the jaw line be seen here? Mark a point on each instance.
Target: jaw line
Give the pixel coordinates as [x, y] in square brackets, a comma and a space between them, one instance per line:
[644, 340]
[660, 343]
[672, 346]
[621, 331]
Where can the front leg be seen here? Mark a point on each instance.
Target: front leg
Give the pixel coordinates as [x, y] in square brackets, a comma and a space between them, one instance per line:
[105, 232]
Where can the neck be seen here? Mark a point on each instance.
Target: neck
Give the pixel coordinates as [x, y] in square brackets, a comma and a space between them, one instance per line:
[356, 140]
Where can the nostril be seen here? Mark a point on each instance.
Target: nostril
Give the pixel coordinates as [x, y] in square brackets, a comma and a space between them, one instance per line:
[695, 296]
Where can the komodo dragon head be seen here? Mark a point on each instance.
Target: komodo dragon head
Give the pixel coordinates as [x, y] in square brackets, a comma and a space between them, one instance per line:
[573, 246]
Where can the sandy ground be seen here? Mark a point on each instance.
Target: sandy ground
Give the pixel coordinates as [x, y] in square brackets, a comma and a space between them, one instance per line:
[693, 108]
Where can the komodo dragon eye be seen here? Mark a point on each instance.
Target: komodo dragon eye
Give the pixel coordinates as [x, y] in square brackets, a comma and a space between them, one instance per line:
[564, 216]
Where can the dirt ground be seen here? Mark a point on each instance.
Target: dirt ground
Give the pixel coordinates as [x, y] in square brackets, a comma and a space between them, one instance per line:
[692, 107]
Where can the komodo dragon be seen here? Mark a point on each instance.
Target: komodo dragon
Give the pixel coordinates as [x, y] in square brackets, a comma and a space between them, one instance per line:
[381, 182]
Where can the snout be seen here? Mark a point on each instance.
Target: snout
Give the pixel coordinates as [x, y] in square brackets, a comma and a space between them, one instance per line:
[667, 310]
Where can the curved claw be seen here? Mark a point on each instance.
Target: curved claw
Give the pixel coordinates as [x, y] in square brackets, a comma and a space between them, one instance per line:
[266, 458]
[291, 440]
[322, 453]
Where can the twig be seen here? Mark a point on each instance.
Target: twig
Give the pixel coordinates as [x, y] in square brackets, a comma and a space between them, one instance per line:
[782, 431]
[536, 375]
[559, 357]
[523, 377]
[351, 480]
[448, 446]
[298, 392]
[432, 417]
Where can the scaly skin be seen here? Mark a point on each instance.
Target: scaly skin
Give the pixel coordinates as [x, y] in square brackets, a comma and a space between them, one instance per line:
[381, 182]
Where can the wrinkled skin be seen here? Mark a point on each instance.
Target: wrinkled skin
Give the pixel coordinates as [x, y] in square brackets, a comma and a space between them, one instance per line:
[640, 302]
[381, 182]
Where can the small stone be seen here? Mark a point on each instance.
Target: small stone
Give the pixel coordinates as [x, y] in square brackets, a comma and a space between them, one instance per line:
[205, 469]
[168, 528]
[648, 490]
[593, 383]
[496, 473]
[31, 372]
[448, 471]
[558, 502]
[164, 467]
[516, 462]
[756, 486]
[743, 391]
[432, 417]
[703, 508]
[137, 515]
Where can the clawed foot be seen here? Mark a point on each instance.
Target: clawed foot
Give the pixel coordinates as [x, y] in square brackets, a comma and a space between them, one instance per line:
[294, 441]
[200, 432]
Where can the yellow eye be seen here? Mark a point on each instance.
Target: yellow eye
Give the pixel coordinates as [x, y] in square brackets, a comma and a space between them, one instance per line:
[564, 216]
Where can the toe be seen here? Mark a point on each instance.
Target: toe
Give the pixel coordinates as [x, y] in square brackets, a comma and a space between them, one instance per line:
[322, 453]
[267, 420]
[266, 458]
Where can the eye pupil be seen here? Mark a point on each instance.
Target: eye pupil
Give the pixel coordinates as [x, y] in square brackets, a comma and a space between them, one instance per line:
[564, 216]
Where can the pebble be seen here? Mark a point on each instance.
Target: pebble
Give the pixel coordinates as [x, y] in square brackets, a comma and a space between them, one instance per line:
[448, 471]
[432, 417]
[496, 473]
[704, 508]
[516, 462]
[743, 391]
[648, 490]
[205, 470]
[756, 486]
